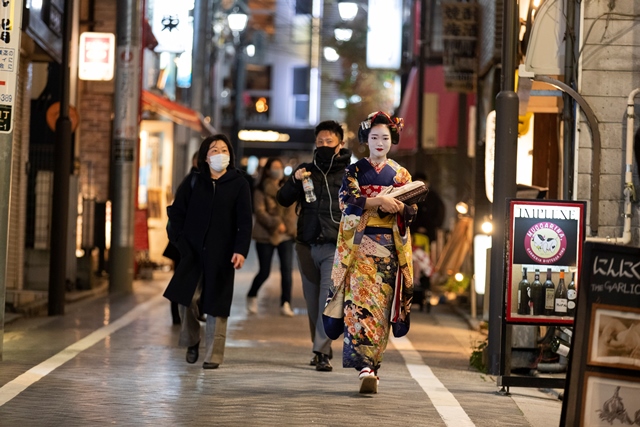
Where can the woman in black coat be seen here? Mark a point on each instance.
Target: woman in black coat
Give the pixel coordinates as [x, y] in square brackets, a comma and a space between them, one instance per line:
[210, 224]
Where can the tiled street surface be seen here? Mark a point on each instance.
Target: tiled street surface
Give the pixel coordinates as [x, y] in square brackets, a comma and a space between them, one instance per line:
[122, 366]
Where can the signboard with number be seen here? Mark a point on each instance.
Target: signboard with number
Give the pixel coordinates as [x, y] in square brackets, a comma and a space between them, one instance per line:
[10, 18]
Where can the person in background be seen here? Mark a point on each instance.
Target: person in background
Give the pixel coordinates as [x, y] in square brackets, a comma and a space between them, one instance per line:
[424, 232]
[372, 270]
[318, 228]
[172, 252]
[210, 223]
[274, 229]
[431, 212]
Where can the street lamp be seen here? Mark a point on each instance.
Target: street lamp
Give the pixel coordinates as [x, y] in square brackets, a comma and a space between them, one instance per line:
[348, 10]
[237, 20]
[237, 23]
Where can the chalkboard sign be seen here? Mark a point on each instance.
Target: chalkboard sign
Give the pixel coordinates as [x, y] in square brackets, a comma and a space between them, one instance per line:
[603, 380]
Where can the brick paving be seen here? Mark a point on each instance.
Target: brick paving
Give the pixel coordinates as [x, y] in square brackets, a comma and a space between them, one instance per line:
[138, 376]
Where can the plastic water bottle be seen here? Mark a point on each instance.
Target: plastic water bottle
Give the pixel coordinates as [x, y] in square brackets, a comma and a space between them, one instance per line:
[307, 186]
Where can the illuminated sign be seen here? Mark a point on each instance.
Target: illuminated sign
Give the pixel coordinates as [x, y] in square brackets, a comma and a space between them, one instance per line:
[384, 35]
[96, 56]
[263, 136]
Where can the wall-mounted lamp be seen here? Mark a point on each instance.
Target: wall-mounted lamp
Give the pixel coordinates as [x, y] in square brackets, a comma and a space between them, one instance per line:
[487, 227]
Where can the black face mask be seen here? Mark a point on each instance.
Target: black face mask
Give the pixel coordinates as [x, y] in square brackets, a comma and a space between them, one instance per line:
[324, 154]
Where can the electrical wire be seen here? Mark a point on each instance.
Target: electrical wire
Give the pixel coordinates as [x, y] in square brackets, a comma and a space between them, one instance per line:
[326, 183]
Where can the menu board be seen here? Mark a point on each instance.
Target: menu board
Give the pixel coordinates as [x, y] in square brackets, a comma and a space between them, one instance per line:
[545, 243]
[603, 377]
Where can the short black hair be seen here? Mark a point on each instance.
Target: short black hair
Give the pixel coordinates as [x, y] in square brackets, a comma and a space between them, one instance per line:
[331, 126]
[203, 165]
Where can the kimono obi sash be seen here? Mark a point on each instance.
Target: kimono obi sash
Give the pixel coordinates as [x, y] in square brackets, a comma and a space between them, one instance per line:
[377, 222]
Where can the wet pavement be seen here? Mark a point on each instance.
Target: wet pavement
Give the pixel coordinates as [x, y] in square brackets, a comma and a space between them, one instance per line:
[114, 360]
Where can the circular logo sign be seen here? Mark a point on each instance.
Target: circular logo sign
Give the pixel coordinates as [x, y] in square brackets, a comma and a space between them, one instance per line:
[545, 243]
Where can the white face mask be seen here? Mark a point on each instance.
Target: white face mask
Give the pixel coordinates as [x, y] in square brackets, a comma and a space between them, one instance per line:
[219, 162]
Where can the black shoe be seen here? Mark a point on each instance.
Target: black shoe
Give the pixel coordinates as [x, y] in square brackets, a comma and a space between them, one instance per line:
[192, 353]
[314, 361]
[210, 365]
[323, 364]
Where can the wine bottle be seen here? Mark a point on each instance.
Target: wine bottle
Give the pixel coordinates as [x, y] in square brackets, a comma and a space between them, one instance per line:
[560, 346]
[549, 295]
[523, 294]
[536, 302]
[571, 296]
[561, 297]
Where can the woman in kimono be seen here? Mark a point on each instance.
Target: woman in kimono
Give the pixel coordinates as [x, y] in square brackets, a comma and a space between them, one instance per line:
[372, 272]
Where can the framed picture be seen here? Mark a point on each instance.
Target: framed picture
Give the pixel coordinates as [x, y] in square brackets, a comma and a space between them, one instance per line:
[610, 400]
[615, 337]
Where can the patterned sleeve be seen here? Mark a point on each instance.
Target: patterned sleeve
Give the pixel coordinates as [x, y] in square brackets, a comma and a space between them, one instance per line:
[351, 199]
[402, 177]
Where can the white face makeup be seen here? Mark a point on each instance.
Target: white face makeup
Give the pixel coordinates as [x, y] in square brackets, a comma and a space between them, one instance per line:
[379, 143]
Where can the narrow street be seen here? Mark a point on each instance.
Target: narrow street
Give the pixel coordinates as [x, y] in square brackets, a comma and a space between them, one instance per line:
[114, 360]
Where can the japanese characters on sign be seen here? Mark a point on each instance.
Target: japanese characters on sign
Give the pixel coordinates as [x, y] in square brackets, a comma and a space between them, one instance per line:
[10, 18]
[460, 39]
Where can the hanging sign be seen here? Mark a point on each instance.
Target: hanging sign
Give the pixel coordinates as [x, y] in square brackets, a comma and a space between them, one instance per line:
[10, 18]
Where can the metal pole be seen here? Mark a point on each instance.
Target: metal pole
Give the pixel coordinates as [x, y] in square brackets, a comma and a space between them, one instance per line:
[200, 23]
[504, 180]
[7, 118]
[60, 211]
[124, 147]
[568, 108]
[420, 109]
[238, 116]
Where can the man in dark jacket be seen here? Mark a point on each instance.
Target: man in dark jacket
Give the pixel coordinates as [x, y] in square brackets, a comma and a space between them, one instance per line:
[318, 224]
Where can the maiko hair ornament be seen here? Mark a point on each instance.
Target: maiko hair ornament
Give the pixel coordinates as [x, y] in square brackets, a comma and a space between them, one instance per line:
[395, 125]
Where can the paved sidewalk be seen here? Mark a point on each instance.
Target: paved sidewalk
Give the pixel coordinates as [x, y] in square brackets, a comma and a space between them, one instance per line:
[122, 366]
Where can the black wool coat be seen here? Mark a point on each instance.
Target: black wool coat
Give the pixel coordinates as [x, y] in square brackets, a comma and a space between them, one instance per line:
[209, 221]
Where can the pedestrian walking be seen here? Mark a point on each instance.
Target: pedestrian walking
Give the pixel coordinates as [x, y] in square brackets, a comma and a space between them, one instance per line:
[274, 230]
[372, 271]
[171, 252]
[317, 227]
[210, 223]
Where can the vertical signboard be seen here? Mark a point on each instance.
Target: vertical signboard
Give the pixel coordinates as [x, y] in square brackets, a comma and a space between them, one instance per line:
[545, 244]
[10, 21]
[10, 18]
[603, 380]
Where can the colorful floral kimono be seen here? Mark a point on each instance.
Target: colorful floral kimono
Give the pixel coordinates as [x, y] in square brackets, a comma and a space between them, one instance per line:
[372, 270]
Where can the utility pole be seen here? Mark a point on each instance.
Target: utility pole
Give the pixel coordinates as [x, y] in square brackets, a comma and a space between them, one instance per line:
[422, 40]
[199, 54]
[504, 180]
[62, 170]
[125, 143]
[7, 116]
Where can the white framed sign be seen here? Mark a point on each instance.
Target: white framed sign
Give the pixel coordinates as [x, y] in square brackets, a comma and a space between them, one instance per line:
[10, 19]
[96, 56]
